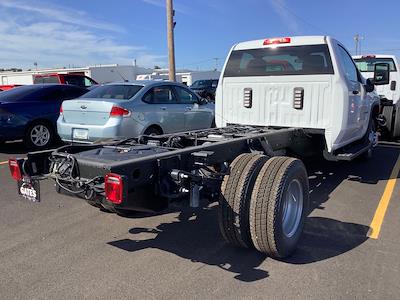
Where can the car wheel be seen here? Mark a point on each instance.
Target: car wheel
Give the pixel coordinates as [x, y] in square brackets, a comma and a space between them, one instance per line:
[387, 112]
[278, 206]
[396, 127]
[152, 131]
[39, 135]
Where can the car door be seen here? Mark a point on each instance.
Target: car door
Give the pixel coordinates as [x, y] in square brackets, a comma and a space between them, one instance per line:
[163, 109]
[357, 107]
[197, 115]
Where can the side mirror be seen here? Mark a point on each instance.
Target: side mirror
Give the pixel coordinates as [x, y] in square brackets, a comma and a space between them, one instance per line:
[369, 85]
[381, 74]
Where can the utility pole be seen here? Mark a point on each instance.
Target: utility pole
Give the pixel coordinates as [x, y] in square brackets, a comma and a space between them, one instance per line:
[357, 41]
[171, 46]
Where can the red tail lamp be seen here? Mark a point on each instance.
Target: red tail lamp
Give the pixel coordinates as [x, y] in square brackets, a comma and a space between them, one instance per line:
[114, 188]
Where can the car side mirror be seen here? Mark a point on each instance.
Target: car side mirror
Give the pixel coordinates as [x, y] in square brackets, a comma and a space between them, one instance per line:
[381, 74]
[369, 85]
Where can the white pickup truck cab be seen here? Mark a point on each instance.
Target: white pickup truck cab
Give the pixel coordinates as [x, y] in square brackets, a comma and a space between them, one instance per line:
[308, 82]
[389, 93]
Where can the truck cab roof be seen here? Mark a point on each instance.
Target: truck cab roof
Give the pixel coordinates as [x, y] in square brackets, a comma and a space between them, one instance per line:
[374, 56]
[282, 42]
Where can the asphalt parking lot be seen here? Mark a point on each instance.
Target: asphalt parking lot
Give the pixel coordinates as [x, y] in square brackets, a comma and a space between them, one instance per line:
[62, 248]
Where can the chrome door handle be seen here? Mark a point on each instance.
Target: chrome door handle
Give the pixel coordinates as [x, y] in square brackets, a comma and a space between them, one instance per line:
[188, 107]
[163, 108]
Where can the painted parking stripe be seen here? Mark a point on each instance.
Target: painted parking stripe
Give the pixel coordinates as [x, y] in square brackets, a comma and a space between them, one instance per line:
[380, 212]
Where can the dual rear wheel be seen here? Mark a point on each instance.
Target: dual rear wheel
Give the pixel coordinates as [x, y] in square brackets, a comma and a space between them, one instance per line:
[263, 203]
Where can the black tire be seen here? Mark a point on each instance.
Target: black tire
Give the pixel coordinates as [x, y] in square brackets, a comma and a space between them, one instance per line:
[369, 153]
[213, 125]
[32, 129]
[387, 112]
[396, 125]
[267, 206]
[152, 131]
[234, 201]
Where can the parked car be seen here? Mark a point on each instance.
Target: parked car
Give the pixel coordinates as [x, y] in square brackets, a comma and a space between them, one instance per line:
[205, 88]
[30, 112]
[75, 79]
[130, 109]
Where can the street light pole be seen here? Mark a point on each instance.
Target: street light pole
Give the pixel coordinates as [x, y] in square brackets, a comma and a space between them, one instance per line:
[357, 40]
[171, 46]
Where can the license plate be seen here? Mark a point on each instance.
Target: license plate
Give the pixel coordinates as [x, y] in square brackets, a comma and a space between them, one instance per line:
[80, 134]
[29, 189]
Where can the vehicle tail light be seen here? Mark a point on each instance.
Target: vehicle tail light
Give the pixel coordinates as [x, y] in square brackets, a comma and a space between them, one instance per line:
[61, 110]
[114, 188]
[369, 56]
[275, 41]
[15, 169]
[117, 111]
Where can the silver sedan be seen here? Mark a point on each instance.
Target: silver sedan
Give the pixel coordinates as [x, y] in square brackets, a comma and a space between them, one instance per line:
[130, 109]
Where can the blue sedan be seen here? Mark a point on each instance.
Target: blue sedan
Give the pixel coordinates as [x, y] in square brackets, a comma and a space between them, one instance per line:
[30, 112]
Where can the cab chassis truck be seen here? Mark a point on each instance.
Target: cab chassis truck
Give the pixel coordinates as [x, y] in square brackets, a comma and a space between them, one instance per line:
[247, 166]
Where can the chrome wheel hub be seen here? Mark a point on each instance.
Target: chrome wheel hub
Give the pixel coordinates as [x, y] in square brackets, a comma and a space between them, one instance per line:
[292, 208]
[40, 135]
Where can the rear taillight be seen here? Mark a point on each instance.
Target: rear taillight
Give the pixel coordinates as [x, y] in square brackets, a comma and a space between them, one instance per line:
[275, 41]
[114, 188]
[117, 111]
[61, 110]
[15, 170]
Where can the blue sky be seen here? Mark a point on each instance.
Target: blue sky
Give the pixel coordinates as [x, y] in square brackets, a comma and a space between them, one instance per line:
[77, 33]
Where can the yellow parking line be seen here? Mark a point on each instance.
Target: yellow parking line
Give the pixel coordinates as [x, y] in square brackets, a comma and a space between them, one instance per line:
[380, 212]
[3, 162]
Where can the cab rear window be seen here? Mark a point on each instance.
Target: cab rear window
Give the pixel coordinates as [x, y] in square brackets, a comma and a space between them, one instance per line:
[367, 64]
[292, 60]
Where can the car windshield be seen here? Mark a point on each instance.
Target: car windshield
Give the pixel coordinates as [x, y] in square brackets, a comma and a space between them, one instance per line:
[367, 64]
[201, 83]
[46, 79]
[292, 60]
[19, 93]
[114, 91]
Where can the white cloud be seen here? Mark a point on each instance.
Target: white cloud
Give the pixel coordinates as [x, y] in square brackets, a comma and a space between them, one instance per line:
[62, 37]
[287, 18]
[62, 14]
